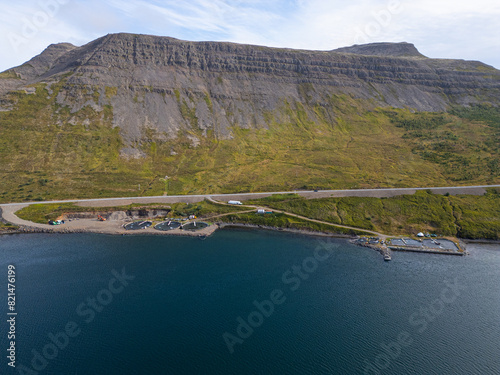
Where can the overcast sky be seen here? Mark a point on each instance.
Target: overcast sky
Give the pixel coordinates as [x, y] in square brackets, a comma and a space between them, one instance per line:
[439, 28]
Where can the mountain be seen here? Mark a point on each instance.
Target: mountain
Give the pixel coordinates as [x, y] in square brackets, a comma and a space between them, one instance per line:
[155, 96]
[383, 49]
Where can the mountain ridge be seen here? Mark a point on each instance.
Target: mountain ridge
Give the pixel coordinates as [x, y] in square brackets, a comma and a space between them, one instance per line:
[153, 76]
[402, 49]
[124, 110]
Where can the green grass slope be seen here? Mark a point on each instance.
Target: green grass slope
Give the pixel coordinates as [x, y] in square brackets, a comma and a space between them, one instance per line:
[465, 216]
[47, 152]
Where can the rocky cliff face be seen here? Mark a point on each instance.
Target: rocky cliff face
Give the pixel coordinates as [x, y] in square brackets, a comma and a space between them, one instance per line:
[383, 49]
[169, 85]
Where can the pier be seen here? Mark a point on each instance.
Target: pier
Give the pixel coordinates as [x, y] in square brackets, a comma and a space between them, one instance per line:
[426, 250]
[429, 246]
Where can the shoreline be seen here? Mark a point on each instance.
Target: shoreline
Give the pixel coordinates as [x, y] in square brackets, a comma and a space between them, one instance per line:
[120, 231]
[289, 230]
[88, 225]
[210, 230]
[116, 228]
[480, 241]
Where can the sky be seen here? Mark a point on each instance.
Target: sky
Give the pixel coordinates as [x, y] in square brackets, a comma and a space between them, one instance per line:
[439, 28]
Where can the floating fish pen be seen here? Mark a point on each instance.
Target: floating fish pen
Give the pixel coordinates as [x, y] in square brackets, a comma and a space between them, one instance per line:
[168, 225]
[195, 226]
[136, 225]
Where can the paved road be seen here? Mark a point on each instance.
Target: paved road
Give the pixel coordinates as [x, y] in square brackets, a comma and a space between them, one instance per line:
[9, 209]
[377, 193]
[8, 214]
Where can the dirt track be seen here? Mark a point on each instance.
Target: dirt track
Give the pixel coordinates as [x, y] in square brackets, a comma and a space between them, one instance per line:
[92, 225]
[115, 227]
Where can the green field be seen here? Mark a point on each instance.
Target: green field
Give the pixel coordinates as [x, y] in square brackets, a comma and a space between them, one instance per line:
[465, 216]
[47, 152]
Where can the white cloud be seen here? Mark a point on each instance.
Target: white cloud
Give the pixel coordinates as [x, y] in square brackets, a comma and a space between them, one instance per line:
[455, 29]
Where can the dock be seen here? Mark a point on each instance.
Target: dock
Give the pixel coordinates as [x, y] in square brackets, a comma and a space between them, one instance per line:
[376, 244]
[429, 246]
[384, 250]
[425, 250]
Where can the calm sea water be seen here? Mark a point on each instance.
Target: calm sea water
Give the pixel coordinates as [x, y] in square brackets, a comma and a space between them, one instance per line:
[344, 312]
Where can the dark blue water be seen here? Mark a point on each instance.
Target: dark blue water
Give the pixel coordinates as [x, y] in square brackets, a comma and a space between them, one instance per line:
[335, 313]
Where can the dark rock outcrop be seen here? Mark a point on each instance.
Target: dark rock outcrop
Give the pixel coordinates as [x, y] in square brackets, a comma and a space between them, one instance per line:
[383, 49]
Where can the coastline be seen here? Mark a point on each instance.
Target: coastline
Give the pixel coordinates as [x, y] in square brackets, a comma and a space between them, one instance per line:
[84, 225]
[87, 225]
[481, 241]
[119, 230]
[113, 228]
[289, 230]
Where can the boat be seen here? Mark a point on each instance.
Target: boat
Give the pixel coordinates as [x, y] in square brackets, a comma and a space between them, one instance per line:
[387, 257]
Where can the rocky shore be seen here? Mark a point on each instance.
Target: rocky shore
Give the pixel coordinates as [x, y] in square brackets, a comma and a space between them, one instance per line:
[289, 230]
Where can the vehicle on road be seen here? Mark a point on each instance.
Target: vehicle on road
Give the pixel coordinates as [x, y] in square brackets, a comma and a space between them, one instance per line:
[56, 222]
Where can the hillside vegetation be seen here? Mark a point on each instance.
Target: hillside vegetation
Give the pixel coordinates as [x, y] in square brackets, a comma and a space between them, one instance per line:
[49, 152]
[465, 216]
